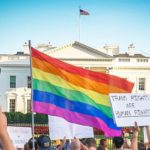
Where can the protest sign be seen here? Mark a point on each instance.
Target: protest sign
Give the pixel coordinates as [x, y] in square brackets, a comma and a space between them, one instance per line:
[59, 128]
[128, 108]
[19, 135]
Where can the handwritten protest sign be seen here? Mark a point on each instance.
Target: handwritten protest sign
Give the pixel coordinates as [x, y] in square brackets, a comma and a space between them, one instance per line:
[19, 135]
[128, 108]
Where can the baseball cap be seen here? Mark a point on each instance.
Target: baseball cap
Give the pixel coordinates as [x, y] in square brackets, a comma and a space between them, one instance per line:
[44, 142]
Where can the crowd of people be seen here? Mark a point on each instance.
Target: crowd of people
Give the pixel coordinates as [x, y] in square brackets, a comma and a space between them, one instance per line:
[43, 142]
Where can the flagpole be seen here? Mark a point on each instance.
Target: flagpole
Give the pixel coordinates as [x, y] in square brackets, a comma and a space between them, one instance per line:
[31, 93]
[79, 22]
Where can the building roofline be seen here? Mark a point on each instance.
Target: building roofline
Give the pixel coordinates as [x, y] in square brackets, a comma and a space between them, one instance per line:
[93, 50]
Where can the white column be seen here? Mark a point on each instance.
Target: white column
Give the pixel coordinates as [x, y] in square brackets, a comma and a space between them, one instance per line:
[25, 104]
[7, 102]
[16, 103]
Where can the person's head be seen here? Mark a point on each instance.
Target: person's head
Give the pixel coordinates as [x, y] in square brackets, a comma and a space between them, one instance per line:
[75, 144]
[118, 142]
[103, 142]
[83, 141]
[44, 142]
[30, 143]
[90, 142]
[26, 146]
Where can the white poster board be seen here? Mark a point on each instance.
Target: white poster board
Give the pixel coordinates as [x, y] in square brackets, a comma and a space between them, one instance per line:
[128, 108]
[59, 128]
[19, 135]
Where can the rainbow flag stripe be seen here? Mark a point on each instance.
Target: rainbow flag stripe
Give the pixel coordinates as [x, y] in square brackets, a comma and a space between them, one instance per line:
[78, 95]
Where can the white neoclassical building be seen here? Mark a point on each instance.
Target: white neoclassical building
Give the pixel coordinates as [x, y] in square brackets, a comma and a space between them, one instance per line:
[15, 76]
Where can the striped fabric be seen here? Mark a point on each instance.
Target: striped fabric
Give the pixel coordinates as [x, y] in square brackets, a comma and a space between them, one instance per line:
[84, 12]
[80, 96]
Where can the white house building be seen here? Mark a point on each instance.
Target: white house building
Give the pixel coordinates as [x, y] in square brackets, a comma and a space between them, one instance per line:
[15, 89]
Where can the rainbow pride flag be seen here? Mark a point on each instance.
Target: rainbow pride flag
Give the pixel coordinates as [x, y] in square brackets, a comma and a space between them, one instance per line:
[78, 95]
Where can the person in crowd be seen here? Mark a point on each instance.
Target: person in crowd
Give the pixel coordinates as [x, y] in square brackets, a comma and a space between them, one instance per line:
[63, 145]
[141, 146]
[119, 141]
[91, 143]
[44, 142]
[75, 144]
[30, 144]
[26, 146]
[127, 143]
[102, 145]
[55, 144]
[6, 142]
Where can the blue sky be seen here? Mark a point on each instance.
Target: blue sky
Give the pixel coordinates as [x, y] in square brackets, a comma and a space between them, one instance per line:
[119, 22]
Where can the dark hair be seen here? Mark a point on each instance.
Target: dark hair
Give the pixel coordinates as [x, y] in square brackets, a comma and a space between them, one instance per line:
[118, 141]
[91, 142]
[83, 141]
[30, 143]
[102, 141]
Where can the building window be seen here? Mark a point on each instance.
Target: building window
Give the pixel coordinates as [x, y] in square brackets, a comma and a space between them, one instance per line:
[124, 60]
[141, 84]
[28, 105]
[12, 81]
[12, 105]
[145, 60]
[29, 82]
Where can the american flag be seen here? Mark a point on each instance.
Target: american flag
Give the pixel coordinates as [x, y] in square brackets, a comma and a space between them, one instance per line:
[83, 12]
